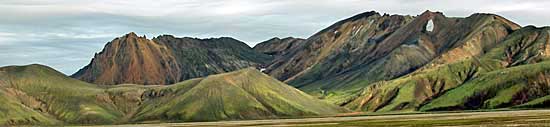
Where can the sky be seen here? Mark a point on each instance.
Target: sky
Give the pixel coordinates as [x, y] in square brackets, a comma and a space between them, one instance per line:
[65, 34]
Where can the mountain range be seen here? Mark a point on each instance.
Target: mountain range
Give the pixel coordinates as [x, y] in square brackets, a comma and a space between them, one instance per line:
[370, 62]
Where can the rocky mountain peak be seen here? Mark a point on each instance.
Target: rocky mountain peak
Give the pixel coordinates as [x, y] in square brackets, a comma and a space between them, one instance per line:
[166, 59]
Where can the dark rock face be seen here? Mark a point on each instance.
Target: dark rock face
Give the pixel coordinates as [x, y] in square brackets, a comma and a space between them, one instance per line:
[166, 60]
[371, 47]
[277, 46]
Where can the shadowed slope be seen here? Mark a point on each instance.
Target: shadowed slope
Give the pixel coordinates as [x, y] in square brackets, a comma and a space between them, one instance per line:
[278, 47]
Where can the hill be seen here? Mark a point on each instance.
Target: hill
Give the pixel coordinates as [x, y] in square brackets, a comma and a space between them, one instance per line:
[244, 94]
[39, 95]
[166, 60]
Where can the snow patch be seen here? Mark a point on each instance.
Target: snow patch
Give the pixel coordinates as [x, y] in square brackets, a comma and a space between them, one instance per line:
[430, 26]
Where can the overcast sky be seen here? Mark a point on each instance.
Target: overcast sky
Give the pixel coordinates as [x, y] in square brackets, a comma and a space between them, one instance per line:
[65, 34]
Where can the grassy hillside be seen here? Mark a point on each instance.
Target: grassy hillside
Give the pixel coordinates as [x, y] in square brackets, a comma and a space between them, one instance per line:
[13, 112]
[497, 89]
[39, 95]
[49, 92]
[244, 94]
[512, 73]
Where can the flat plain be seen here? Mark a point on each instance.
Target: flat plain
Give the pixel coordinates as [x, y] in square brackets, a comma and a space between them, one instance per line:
[447, 119]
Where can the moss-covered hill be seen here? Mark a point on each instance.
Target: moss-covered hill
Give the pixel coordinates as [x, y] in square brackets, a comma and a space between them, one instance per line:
[39, 95]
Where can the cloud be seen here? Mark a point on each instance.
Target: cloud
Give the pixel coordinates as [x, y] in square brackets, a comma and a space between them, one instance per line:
[65, 34]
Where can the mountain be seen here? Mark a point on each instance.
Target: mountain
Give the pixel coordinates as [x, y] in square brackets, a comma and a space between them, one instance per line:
[339, 61]
[39, 95]
[513, 74]
[166, 59]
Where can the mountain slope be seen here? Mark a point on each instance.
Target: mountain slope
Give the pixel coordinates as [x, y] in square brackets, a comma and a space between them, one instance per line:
[166, 60]
[519, 74]
[39, 95]
[512, 74]
[370, 47]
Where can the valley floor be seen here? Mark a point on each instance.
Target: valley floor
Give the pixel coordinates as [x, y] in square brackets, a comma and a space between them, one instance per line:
[496, 118]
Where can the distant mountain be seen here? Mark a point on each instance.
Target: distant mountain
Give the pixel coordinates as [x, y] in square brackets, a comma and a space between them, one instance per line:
[39, 95]
[167, 59]
[367, 48]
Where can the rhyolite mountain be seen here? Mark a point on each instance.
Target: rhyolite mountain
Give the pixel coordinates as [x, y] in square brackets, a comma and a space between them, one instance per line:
[430, 62]
[371, 47]
[166, 59]
[39, 95]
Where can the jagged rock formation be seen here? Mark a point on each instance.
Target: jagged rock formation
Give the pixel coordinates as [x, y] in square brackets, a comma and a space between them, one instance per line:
[167, 59]
[277, 46]
[370, 47]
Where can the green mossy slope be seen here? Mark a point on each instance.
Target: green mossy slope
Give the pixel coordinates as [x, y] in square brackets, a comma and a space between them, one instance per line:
[512, 73]
[39, 95]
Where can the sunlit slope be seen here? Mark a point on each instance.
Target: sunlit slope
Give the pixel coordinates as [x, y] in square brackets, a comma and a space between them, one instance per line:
[49, 92]
[12, 111]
